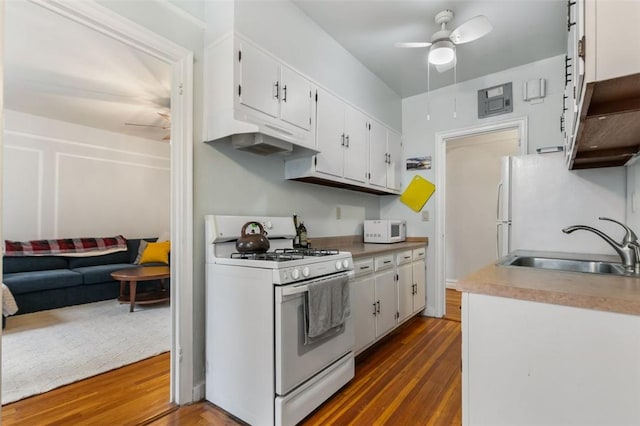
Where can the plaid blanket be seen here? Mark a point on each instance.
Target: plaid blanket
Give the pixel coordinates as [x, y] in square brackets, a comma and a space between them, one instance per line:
[64, 246]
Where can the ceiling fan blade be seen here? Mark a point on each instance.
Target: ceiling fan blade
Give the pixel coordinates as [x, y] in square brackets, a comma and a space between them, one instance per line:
[471, 30]
[448, 65]
[412, 44]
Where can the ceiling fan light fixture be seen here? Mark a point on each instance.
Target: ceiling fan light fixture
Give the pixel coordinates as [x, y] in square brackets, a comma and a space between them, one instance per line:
[441, 52]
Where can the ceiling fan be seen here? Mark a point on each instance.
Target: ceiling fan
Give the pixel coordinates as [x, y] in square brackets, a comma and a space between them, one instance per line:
[166, 117]
[443, 43]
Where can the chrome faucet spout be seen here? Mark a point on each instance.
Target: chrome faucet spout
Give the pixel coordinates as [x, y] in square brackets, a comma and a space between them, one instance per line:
[629, 251]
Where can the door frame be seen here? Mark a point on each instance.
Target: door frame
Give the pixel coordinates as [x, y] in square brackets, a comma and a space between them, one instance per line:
[111, 24]
[441, 138]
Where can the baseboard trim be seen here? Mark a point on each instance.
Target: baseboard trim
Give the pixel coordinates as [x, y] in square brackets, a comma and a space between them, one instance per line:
[198, 392]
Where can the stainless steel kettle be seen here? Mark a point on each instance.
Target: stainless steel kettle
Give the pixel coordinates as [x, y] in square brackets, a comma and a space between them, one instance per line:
[252, 241]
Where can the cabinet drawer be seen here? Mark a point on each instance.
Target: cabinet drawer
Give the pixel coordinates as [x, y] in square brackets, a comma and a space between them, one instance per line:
[363, 267]
[419, 253]
[403, 257]
[384, 262]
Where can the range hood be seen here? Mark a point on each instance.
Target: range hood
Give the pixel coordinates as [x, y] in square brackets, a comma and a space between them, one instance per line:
[259, 136]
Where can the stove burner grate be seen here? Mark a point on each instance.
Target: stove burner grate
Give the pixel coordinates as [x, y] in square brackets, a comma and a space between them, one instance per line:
[309, 252]
[278, 256]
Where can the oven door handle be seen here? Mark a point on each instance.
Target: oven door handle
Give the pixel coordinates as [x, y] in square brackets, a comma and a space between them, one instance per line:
[303, 288]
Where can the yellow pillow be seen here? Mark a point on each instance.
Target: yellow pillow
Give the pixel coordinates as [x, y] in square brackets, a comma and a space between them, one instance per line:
[156, 253]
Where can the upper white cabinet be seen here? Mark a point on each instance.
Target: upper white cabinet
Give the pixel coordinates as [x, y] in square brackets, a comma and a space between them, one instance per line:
[249, 92]
[601, 114]
[356, 151]
[384, 157]
[342, 138]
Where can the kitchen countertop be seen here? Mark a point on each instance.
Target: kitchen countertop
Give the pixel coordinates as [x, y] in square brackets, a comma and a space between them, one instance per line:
[359, 249]
[582, 290]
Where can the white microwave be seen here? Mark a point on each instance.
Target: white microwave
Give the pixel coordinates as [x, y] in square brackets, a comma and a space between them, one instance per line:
[385, 231]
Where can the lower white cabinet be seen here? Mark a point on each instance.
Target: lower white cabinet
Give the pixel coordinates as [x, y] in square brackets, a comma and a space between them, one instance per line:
[531, 363]
[386, 291]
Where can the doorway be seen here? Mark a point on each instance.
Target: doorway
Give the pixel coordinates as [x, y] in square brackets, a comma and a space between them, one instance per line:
[140, 39]
[467, 183]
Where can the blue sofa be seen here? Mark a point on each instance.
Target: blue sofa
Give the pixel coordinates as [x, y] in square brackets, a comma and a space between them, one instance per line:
[47, 282]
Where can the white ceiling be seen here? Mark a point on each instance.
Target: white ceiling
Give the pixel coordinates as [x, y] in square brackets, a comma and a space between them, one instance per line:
[523, 31]
[59, 69]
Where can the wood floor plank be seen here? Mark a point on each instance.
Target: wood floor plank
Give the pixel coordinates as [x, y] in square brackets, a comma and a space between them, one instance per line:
[453, 305]
[411, 377]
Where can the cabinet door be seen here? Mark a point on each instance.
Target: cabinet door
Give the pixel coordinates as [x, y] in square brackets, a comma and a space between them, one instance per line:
[405, 291]
[420, 282]
[363, 311]
[259, 74]
[356, 130]
[378, 154]
[330, 134]
[386, 301]
[617, 34]
[295, 102]
[394, 170]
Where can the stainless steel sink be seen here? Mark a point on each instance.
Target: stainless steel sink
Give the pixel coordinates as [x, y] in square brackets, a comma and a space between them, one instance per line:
[559, 264]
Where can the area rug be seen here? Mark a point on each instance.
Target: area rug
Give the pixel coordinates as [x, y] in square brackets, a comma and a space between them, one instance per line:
[44, 350]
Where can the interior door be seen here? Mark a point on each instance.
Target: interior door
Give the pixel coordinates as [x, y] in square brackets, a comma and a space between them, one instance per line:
[295, 102]
[330, 134]
[259, 80]
[356, 141]
[378, 154]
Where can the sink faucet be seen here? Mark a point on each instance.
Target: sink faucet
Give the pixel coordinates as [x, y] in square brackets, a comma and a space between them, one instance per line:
[628, 250]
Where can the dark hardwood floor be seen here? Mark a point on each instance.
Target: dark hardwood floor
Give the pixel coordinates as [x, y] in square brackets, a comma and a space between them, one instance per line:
[412, 377]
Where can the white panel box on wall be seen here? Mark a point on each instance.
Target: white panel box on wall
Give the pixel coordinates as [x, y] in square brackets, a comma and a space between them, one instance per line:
[534, 90]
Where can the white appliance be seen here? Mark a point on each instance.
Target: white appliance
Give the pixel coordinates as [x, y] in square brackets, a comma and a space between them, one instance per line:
[258, 367]
[538, 196]
[385, 231]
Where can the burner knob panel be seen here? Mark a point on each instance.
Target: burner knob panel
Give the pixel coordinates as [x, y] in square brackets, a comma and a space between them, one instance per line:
[345, 263]
[295, 274]
[338, 265]
[305, 271]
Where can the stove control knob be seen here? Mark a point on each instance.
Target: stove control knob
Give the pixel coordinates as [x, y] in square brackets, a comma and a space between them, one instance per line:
[295, 274]
[345, 263]
[338, 265]
[305, 271]
[268, 225]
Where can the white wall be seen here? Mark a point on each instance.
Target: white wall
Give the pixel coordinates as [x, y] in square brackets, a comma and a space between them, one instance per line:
[62, 180]
[419, 133]
[633, 196]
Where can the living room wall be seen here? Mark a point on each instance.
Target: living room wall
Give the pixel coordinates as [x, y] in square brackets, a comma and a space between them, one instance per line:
[62, 180]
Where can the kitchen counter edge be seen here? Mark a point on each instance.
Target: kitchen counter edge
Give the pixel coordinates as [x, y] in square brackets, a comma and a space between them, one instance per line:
[360, 250]
[580, 290]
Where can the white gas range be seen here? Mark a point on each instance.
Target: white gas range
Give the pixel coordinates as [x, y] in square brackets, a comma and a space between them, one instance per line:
[261, 366]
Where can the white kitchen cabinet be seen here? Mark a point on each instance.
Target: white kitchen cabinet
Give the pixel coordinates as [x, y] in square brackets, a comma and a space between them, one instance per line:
[363, 305]
[341, 137]
[411, 282]
[385, 164]
[419, 274]
[386, 294]
[248, 91]
[387, 290]
[531, 363]
[603, 70]
[405, 284]
[273, 88]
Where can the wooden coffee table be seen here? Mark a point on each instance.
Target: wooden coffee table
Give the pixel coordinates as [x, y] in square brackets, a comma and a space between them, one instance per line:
[145, 273]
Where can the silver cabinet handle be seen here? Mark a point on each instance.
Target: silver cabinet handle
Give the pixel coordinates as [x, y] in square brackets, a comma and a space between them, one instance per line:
[276, 86]
[284, 95]
[342, 143]
[374, 309]
[347, 141]
[378, 303]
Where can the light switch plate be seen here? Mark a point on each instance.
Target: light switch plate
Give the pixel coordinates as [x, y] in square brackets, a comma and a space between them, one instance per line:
[425, 215]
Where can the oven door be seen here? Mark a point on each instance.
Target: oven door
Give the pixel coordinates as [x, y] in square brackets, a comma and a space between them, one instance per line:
[295, 361]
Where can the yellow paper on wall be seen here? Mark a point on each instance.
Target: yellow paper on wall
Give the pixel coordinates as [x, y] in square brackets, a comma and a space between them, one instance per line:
[417, 193]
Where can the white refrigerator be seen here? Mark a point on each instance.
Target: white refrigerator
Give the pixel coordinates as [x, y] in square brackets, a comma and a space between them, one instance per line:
[537, 197]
